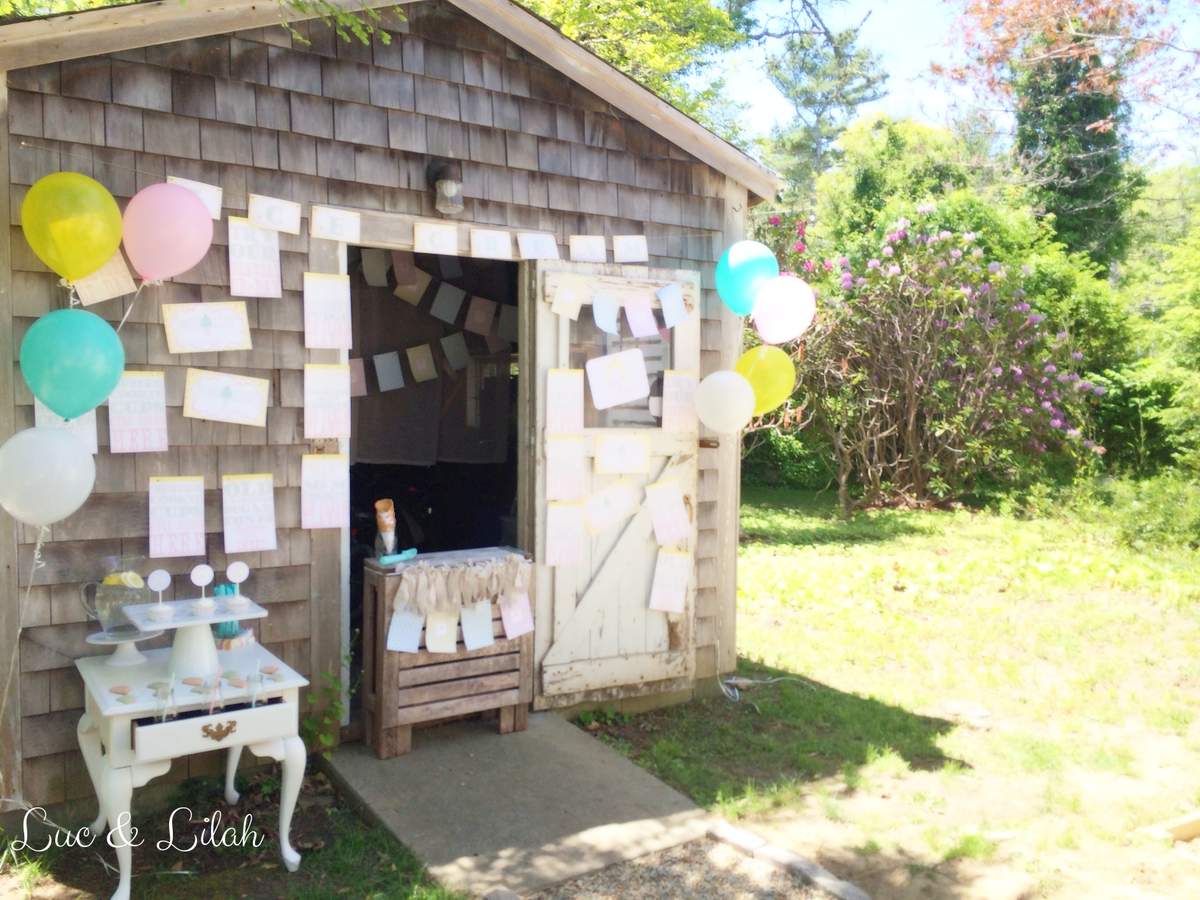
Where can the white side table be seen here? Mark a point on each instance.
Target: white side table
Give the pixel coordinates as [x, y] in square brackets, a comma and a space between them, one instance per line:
[124, 745]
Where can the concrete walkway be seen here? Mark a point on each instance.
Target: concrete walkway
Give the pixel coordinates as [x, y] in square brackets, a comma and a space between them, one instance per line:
[520, 811]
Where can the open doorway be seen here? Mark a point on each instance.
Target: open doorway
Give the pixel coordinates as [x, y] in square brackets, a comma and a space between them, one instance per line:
[434, 417]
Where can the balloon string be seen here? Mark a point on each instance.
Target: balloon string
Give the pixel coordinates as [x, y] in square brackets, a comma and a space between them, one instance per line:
[72, 295]
[38, 561]
[133, 302]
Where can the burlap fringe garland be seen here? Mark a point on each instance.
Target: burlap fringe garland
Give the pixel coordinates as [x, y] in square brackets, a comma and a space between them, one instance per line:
[447, 587]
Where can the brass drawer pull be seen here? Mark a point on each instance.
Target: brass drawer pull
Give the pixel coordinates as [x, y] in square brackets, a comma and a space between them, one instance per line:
[218, 733]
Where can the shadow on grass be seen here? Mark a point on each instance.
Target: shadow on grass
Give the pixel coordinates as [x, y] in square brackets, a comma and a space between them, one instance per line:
[784, 516]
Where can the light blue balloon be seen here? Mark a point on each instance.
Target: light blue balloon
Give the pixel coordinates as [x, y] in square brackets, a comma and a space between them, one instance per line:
[741, 270]
[71, 359]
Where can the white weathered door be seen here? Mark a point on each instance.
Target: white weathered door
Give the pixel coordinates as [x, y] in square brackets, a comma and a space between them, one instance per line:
[595, 636]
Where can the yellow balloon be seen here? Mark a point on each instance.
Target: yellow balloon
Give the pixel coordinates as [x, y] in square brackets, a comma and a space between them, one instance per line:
[72, 223]
[772, 375]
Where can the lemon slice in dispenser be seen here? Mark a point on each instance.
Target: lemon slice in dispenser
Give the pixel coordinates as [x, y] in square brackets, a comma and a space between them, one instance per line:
[132, 580]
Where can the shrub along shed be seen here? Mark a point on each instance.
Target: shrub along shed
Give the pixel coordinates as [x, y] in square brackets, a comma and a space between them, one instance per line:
[534, 135]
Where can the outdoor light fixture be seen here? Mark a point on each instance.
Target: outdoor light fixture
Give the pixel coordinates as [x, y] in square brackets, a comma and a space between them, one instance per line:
[447, 185]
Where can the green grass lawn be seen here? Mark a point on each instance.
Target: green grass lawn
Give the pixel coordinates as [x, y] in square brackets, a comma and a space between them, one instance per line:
[972, 704]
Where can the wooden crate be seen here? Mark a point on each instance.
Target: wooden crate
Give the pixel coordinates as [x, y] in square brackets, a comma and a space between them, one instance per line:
[401, 690]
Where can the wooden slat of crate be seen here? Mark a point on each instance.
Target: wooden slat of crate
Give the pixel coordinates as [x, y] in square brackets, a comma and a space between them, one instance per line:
[459, 687]
[466, 668]
[428, 712]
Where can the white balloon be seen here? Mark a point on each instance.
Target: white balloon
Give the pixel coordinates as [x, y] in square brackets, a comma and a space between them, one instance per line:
[784, 308]
[45, 475]
[725, 402]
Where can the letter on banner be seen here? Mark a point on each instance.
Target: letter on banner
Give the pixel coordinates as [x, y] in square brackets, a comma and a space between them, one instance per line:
[248, 512]
[432, 237]
[672, 572]
[617, 378]
[630, 248]
[324, 490]
[534, 245]
[83, 427]
[137, 414]
[177, 516]
[404, 631]
[477, 625]
[273, 213]
[326, 400]
[253, 260]
[516, 614]
[588, 248]
[334, 224]
[206, 327]
[327, 324]
[441, 631]
[488, 243]
[640, 315]
[219, 397]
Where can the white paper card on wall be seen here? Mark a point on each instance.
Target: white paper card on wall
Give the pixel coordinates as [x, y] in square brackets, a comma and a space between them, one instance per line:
[388, 371]
[253, 260]
[611, 505]
[564, 401]
[206, 327]
[516, 613]
[617, 378]
[668, 512]
[566, 467]
[678, 401]
[508, 328]
[477, 625]
[564, 533]
[622, 454]
[447, 302]
[404, 631]
[375, 265]
[112, 279]
[606, 309]
[454, 346]
[220, 397]
[274, 213]
[326, 400]
[673, 308]
[324, 490]
[490, 243]
[630, 248]
[137, 414]
[535, 245]
[640, 315]
[248, 512]
[570, 293]
[332, 224]
[436, 238]
[421, 364]
[588, 248]
[83, 426]
[176, 516]
[441, 631]
[414, 291]
[358, 377]
[327, 323]
[480, 314]
[672, 572]
[210, 194]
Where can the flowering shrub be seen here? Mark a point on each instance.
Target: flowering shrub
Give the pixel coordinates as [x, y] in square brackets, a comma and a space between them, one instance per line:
[928, 370]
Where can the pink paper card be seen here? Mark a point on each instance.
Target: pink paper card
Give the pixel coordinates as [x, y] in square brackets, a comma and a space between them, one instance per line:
[137, 414]
[640, 315]
[477, 624]
[358, 378]
[564, 533]
[324, 490]
[176, 516]
[248, 512]
[516, 614]
[566, 468]
[327, 324]
[404, 267]
[326, 400]
[672, 572]
[83, 426]
[480, 314]
[617, 378]
[564, 401]
[678, 402]
[253, 260]
[668, 512]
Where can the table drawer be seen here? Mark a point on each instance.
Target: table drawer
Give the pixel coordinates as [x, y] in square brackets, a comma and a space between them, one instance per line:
[195, 734]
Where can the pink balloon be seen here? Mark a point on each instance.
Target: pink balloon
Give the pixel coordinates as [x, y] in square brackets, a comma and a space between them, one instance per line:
[167, 230]
[784, 308]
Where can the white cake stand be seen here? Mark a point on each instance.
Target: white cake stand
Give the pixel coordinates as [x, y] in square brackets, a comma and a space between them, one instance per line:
[126, 653]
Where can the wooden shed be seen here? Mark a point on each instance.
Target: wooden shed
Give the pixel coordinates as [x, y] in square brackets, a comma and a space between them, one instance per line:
[547, 139]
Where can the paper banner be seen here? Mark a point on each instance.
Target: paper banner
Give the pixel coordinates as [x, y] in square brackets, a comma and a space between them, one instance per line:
[432, 237]
[137, 414]
[508, 328]
[672, 572]
[454, 346]
[569, 294]
[273, 213]
[533, 245]
[480, 314]
[209, 194]
[404, 267]
[388, 371]
[206, 327]
[477, 625]
[621, 454]
[111, 280]
[327, 324]
[566, 468]
[617, 378]
[248, 512]
[375, 265]
[358, 377]
[487, 243]
[404, 631]
[253, 260]
[588, 248]
[441, 632]
[517, 615]
[564, 533]
[611, 505]
[447, 302]
[564, 401]
[326, 400]
[664, 499]
[177, 516]
[606, 308]
[220, 397]
[420, 362]
[334, 224]
[640, 315]
[678, 401]
[82, 426]
[630, 248]
[324, 490]
[673, 308]
[413, 292]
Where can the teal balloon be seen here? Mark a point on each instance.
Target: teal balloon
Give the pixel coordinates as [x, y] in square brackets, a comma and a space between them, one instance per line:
[71, 359]
[741, 270]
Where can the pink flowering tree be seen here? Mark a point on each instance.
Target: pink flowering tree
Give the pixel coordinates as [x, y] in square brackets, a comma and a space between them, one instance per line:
[927, 370]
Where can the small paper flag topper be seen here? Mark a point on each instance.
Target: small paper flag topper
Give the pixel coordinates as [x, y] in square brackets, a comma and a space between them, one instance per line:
[237, 572]
[158, 581]
[202, 576]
